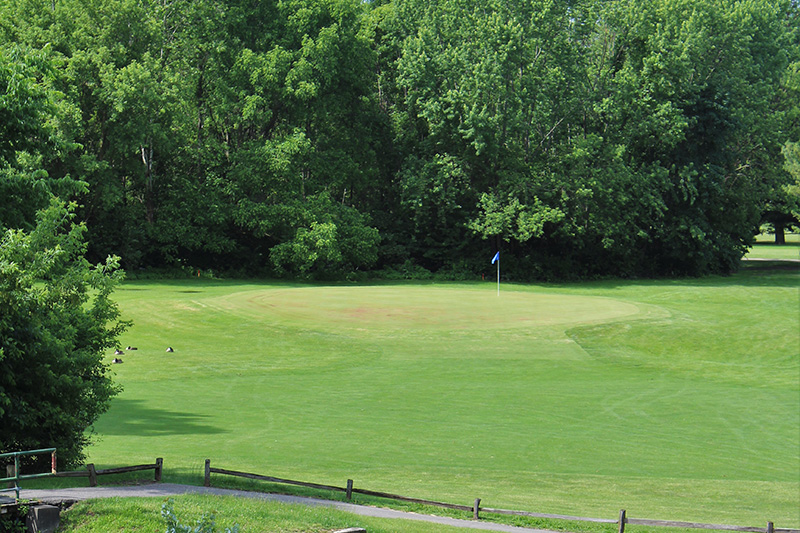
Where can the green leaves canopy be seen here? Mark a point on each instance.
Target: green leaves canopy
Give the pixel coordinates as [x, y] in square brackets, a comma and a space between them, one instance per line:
[57, 320]
[585, 138]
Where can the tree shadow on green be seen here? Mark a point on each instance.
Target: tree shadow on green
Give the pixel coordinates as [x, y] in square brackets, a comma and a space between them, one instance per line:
[134, 417]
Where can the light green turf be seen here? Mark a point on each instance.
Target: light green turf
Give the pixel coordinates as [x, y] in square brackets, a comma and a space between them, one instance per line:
[790, 250]
[673, 399]
[765, 247]
[770, 238]
[252, 516]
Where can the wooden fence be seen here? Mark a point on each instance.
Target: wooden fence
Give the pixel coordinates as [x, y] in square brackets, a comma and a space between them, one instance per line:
[13, 471]
[91, 472]
[476, 509]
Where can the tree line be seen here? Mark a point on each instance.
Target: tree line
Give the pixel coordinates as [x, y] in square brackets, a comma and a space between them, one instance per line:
[325, 137]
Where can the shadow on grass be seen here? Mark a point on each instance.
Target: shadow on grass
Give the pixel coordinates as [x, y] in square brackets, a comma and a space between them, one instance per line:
[133, 417]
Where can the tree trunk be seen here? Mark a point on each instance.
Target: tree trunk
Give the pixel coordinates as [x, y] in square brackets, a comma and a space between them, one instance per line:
[780, 237]
[147, 159]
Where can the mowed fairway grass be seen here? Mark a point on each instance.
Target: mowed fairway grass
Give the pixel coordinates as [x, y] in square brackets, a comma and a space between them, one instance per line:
[672, 399]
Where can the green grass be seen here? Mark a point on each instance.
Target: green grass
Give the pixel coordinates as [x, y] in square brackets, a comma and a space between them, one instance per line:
[774, 251]
[252, 516]
[765, 247]
[672, 399]
[770, 238]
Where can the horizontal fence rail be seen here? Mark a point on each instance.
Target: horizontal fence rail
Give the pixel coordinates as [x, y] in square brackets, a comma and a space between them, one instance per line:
[91, 472]
[349, 490]
[553, 516]
[692, 525]
[270, 479]
[413, 500]
[476, 509]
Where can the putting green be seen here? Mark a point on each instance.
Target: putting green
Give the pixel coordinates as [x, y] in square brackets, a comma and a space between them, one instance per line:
[426, 308]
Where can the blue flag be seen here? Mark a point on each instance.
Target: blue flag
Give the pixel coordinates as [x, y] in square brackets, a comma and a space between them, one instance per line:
[496, 258]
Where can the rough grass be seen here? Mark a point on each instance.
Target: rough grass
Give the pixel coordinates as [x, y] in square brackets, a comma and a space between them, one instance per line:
[252, 516]
[673, 399]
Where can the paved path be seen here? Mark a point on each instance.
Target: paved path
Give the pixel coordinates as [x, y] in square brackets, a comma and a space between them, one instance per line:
[163, 490]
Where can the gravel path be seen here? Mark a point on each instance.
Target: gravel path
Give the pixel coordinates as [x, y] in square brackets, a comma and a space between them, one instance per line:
[163, 490]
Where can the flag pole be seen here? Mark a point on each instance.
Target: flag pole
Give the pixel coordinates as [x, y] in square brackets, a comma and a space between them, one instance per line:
[498, 274]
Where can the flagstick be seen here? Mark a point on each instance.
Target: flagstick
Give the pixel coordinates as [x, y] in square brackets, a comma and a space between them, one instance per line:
[498, 275]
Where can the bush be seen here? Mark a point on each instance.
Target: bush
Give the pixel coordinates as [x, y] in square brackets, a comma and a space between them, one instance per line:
[205, 524]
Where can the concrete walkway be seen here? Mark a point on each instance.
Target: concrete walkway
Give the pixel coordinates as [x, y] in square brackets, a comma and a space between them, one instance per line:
[165, 490]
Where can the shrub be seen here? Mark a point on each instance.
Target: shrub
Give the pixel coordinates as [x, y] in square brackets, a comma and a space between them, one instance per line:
[205, 524]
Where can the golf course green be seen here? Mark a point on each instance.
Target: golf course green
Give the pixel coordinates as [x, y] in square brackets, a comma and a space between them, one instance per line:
[673, 399]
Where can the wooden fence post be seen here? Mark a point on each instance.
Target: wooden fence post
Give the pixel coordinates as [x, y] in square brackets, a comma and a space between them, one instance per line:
[53, 462]
[770, 527]
[622, 519]
[207, 479]
[350, 490]
[159, 468]
[476, 509]
[92, 475]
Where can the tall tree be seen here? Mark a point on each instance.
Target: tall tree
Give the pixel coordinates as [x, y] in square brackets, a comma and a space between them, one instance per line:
[484, 93]
[302, 137]
[782, 210]
[692, 86]
[584, 137]
[57, 320]
[28, 136]
[57, 317]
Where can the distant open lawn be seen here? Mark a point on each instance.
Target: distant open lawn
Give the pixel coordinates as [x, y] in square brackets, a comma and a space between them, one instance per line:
[766, 248]
[672, 399]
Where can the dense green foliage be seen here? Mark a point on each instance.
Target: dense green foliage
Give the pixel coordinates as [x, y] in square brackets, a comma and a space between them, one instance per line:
[319, 138]
[57, 321]
[56, 315]
[205, 524]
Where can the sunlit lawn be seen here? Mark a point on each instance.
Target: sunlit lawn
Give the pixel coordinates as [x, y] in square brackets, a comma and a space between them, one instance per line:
[766, 248]
[673, 399]
[252, 516]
